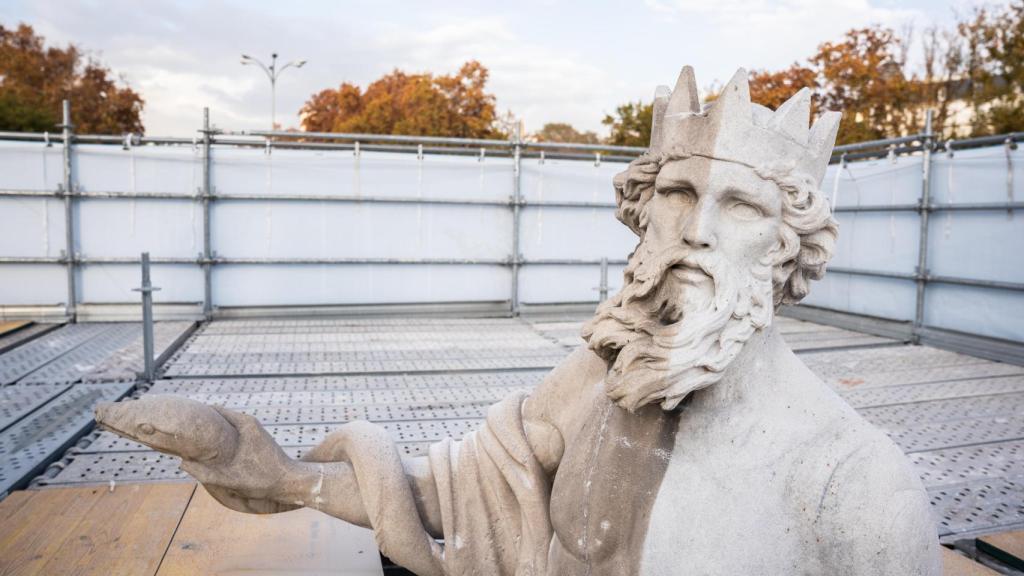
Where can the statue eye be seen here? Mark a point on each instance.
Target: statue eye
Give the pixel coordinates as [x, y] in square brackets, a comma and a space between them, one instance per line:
[745, 211]
[146, 429]
[682, 195]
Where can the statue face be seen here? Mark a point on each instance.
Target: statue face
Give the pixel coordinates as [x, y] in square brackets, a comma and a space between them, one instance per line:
[697, 286]
[721, 208]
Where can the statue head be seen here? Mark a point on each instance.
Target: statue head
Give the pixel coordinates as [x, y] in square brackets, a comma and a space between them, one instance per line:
[731, 226]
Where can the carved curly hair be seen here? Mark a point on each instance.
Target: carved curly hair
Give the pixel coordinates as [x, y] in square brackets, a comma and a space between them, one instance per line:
[808, 235]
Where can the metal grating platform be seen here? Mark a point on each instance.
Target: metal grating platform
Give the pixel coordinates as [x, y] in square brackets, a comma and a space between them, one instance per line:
[33, 355]
[15, 338]
[18, 401]
[29, 444]
[86, 352]
[957, 417]
[989, 504]
[367, 382]
[921, 392]
[73, 365]
[948, 410]
[364, 346]
[951, 466]
[126, 363]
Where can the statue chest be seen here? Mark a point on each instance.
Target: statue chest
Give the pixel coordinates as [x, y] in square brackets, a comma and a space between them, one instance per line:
[604, 491]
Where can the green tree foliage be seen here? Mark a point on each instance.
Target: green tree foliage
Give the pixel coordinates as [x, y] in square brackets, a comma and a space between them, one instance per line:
[35, 78]
[563, 132]
[630, 124]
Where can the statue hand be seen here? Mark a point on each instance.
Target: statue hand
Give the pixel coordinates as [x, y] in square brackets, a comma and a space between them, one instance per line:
[251, 469]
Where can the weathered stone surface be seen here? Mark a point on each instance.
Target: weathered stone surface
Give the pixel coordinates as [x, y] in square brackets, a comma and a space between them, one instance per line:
[686, 437]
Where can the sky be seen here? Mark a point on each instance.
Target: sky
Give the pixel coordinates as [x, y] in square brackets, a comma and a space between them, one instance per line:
[571, 61]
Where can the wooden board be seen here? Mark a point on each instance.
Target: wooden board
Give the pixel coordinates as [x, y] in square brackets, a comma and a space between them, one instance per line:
[90, 530]
[6, 327]
[954, 564]
[1007, 547]
[215, 540]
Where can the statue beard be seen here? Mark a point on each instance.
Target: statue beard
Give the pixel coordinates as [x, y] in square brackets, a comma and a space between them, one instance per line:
[664, 336]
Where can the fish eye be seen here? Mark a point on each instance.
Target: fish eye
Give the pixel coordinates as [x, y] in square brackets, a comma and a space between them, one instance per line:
[146, 429]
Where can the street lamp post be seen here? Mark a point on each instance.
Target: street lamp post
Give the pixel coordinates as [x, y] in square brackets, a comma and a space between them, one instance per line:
[273, 72]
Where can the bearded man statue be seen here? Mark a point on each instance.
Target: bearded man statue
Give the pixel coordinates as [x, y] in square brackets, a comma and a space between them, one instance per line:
[685, 438]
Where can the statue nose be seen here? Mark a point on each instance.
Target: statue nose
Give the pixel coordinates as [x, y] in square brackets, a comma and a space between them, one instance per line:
[699, 228]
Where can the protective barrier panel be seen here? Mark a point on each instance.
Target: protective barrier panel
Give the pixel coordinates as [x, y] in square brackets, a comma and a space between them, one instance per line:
[311, 227]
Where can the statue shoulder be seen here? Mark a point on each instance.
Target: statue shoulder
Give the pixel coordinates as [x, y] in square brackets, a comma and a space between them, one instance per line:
[874, 511]
[554, 410]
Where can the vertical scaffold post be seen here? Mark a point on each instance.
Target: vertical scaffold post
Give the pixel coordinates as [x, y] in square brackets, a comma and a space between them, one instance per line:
[205, 192]
[147, 289]
[67, 190]
[517, 198]
[925, 209]
[603, 287]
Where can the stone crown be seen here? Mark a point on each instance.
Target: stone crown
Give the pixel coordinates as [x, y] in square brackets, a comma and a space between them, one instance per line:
[734, 129]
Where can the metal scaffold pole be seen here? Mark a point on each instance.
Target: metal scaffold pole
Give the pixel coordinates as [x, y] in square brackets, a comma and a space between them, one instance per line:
[517, 199]
[147, 289]
[205, 193]
[925, 209]
[67, 190]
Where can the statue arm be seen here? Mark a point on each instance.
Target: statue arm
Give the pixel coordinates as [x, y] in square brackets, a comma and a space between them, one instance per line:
[326, 478]
[332, 488]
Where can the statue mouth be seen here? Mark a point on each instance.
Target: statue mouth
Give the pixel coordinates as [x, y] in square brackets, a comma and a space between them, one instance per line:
[687, 274]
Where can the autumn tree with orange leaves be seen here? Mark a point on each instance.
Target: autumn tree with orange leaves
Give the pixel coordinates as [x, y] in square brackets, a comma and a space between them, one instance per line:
[35, 78]
[412, 104]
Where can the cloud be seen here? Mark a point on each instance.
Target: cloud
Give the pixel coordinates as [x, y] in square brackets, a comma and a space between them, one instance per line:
[570, 61]
[775, 34]
[539, 84]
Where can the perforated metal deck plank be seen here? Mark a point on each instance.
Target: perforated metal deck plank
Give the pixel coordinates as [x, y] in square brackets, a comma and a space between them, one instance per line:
[29, 444]
[947, 410]
[126, 363]
[18, 400]
[12, 340]
[951, 466]
[74, 364]
[959, 433]
[927, 391]
[365, 382]
[983, 504]
[425, 365]
[31, 356]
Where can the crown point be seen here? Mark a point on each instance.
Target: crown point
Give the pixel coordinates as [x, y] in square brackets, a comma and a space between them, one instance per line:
[734, 100]
[661, 96]
[822, 138]
[794, 116]
[684, 98]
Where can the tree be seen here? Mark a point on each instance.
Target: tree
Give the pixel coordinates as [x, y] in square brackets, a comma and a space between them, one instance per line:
[34, 79]
[772, 89]
[411, 104]
[993, 65]
[863, 75]
[630, 125]
[563, 132]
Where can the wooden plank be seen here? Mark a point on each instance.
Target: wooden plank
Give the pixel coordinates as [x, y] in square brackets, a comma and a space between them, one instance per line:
[126, 532]
[215, 540]
[10, 505]
[6, 327]
[954, 564]
[40, 527]
[1007, 547]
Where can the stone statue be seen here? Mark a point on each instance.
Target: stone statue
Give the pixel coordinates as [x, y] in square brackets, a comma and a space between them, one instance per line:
[686, 438]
